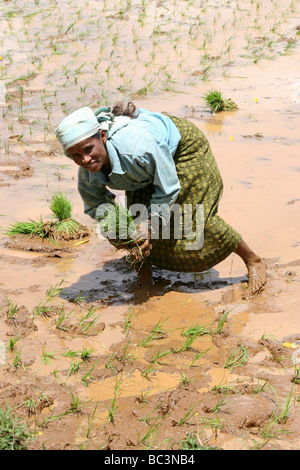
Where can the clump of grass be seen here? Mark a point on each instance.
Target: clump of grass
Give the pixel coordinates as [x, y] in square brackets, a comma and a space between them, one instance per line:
[61, 227]
[14, 434]
[192, 442]
[217, 103]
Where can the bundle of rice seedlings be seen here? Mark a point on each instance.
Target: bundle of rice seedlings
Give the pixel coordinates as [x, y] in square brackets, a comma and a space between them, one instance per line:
[119, 228]
[217, 103]
[62, 227]
[26, 228]
[61, 207]
[118, 225]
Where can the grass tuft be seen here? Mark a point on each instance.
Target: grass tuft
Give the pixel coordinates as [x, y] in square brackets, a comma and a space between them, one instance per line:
[14, 434]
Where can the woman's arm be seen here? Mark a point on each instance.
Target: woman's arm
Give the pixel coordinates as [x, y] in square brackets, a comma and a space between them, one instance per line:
[92, 195]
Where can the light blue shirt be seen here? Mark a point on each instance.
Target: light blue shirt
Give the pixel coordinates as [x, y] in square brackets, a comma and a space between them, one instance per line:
[140, 153]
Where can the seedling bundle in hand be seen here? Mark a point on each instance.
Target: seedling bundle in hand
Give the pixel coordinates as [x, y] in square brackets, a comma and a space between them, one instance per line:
[62, 227]
[118, 226]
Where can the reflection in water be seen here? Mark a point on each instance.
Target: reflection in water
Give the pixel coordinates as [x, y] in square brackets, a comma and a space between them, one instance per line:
[116, 283]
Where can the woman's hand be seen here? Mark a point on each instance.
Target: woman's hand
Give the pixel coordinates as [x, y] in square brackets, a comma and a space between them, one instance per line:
[140, 244]
[145, 246]
[141, 250]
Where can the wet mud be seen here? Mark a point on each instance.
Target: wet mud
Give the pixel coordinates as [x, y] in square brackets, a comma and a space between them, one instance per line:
[89, 359]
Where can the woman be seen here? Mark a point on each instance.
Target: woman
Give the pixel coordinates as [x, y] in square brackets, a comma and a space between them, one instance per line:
[160, 161]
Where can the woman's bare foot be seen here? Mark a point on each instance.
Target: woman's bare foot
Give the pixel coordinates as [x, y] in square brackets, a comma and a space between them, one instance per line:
[256, 268]
[257, 276]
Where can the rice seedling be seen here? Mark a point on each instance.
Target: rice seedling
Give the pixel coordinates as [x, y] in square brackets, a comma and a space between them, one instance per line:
[186, 345]
[222, 321]
[217, 103]
[150, 435]
[91, 421]
[78, 299]
[142, 398]
[74, 368]
[156, 333]
[125, 355]
[109, 364]
[42, 309]
[184, 380]
[192, 441]
[14, 433]
[54, 291]
[150, 370]
[31, 406]
[260, 388]
[196, 330]
[218, 406]
[127, 322]
[65, 227]
[86, 354]
[47, 356]
[62, 317]
[12, 343]
[270, 429]
[285, 412]
[88, 321]
[75, 404]
[113, 408]
[12, 309]
[185, 419]
[87, 376]
[155, 359]
[71, 353]
[237, 357]
[198, 356]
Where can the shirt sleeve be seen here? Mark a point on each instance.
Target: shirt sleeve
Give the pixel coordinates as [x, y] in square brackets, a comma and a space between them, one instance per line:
[93, 194]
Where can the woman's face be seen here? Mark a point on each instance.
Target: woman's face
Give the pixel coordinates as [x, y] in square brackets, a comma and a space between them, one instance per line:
[91, 153]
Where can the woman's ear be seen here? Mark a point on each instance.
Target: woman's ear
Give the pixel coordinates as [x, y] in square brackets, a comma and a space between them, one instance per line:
[103, 135]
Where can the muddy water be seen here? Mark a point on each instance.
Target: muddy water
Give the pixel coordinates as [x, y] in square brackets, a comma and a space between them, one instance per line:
[163, 58]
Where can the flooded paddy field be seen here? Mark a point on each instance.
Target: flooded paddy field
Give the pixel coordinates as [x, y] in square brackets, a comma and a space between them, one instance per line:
[87, 360]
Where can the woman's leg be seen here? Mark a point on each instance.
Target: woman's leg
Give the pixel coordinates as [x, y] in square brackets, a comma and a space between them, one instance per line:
[256, 267]
[145, 276]
[255, 264]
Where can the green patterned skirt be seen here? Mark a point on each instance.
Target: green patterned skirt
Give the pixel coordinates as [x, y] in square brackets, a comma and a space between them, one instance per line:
[200, 183]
